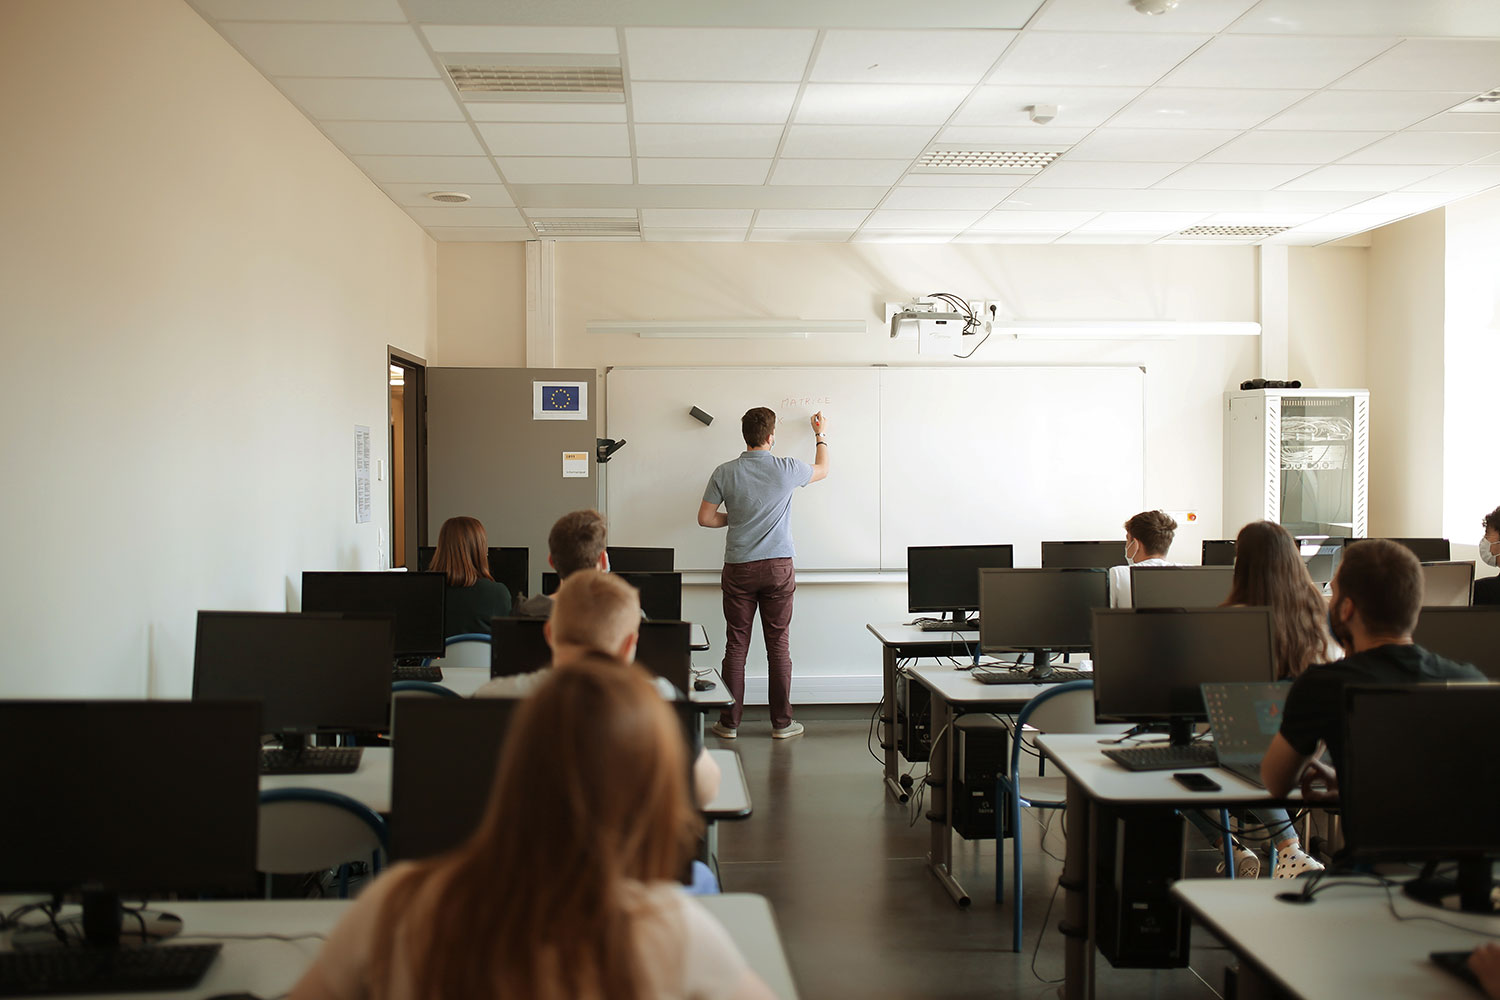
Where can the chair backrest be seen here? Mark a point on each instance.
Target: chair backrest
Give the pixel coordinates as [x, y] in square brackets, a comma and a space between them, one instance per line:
[310, 829]
[472, 649]
[1064, 708]
[421, 689]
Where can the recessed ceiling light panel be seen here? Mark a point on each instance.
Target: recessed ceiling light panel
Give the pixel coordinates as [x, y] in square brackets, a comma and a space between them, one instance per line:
[586, 227]
[973, 158]
[523, 77]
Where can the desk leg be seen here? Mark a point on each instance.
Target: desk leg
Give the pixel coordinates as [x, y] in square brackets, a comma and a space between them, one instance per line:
[940, 801]
[1079, 866]
[888, 724]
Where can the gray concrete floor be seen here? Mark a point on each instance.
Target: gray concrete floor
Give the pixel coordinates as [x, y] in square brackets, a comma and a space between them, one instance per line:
[860, 915]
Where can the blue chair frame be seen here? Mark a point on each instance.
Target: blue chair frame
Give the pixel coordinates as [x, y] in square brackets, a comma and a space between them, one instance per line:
[483, 637]
[353, 806]
[423, 687]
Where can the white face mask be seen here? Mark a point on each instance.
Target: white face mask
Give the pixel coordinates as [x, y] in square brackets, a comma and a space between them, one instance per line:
[1485, 554]
[1128, 557]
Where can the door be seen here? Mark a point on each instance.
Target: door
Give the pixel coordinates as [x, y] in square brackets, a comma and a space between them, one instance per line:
[407, 458]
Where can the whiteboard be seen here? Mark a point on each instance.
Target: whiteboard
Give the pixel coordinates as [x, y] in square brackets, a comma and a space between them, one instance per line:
[919, 456]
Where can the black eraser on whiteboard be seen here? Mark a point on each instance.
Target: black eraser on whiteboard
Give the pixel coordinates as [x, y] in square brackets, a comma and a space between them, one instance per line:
[699, 415]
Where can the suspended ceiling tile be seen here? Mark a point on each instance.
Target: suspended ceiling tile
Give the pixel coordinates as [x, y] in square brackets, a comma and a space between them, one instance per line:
[1021, 135]
[1271, 146]
[510, 111]
[657, 234]
[1234, 176]
[854, 141]
[810, 218]
[403, 138]
[333, 98]
[1035, 238]
[762, 235]
[1260, 61]
[301, 10]
[1434, 18]
[1102, 175]
[1140, 222]
[928, 220]
[1404, 202]
[848, 56]
[697, 218]
[702, 170]
[533, 139]
[480, 195]
[376, 50]
[437, 170]
[746, 54]
[944, 198]
[878, 104]
[1150, 145]
[1341, 177]
[1350, 110]
[1450, 148]
[838, 172]
[1020, 221]
[1431, 64]
[711, 103]
[520, 39]
[1112, 15]
[908, 236]
[1090, 59]
[1459, 121]
[1077, 107]
[1177, 107]
[1460, 180]
[565, 170]
[735, 141]
[965, 180]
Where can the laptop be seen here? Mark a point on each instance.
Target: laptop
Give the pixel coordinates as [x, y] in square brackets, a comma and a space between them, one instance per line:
[1243, 718]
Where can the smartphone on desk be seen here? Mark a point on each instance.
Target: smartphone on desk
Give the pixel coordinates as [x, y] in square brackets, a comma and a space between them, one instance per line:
[1196, 781]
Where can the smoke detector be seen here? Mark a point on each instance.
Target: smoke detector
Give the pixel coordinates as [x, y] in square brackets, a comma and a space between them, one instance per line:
[448, 197]
[1153, 7]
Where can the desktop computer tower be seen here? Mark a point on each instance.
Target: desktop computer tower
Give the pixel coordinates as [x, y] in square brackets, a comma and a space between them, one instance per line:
[1140, 852]
[980, 755]
[913, 713]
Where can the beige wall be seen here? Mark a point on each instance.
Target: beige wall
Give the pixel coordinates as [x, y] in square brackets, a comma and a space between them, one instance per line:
[1404, 362]
[196, 294]
[481, 306]
[1328, 311]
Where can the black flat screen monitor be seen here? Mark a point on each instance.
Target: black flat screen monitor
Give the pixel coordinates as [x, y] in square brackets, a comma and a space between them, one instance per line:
[311, 673]
[1427, 549]
[665, 649]
[517, 646]
[1447, 584]
[459, 739]
[90, 800]
[639, 559]
[1464, 635]
[661, 593]
[1150, 663]
[1218, 552]
[1031, 609]
[509, 564]
[1083, 555]
[414, 600]
[1180, 586]
[946, 577]
[1433, 799]
[1322, 554]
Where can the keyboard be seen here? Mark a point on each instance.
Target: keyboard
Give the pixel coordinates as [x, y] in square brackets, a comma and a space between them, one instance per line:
[935, 626]
[1058, 676]
[1164, 757]
[104, 970]
[310, 760]
[416, 673]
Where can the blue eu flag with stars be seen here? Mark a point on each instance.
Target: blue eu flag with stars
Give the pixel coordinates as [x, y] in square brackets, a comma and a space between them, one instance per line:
[560, 399]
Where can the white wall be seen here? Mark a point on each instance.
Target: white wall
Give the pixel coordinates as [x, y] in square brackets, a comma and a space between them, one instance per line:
[1326, 339]
[1471, 477]
[481, 306]
[196, 294]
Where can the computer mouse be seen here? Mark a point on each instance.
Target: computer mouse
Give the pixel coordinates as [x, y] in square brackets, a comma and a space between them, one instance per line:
[702, 685]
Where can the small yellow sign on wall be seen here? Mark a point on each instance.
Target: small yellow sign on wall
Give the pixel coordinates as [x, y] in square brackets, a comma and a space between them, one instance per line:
[575, 464]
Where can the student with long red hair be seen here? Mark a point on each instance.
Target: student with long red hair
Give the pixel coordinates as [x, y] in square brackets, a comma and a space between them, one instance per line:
[474, 596]
[566, 890]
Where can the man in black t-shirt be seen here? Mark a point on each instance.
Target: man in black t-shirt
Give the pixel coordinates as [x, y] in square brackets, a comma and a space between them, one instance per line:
[1377, 595]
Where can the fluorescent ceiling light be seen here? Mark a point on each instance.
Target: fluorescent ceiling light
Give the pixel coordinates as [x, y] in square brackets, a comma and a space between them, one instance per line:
[730, 329]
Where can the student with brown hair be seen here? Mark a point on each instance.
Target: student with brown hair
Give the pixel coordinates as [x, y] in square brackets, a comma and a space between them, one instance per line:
[1487, 589]
[577, 541]
[1148, 536]
[566, 888]
[473, 597]
[1269, 572]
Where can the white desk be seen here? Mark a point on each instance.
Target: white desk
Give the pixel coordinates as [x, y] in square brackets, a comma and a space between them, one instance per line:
[699, 641]
[1344, 944]
[270, 968]
[954, 692]
[1094, 779]
[464, 681]
[905, 642]
[733, 798]
[370, 784]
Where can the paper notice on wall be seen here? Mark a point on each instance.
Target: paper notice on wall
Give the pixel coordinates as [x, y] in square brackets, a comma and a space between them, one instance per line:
[361, 474]
[575, 464]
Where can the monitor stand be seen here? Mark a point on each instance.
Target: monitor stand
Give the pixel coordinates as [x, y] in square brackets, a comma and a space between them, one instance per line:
[104, 923]
[1474, 887]
[960, 619]
[1180, 731]
[1041, 664]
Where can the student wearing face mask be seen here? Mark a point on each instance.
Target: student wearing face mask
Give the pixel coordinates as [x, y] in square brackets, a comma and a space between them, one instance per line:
[1148, 536]
[1487, 589]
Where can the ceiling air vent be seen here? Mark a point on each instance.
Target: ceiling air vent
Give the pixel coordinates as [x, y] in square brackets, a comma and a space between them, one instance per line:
[1486, 103]
[970, 158]
[1227, 232]
[448, 197]
[586, 227]
[530, 78]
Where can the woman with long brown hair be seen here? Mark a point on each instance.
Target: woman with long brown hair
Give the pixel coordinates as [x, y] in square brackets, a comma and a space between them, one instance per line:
[474, 596]
[1269, 573]
[565, 890]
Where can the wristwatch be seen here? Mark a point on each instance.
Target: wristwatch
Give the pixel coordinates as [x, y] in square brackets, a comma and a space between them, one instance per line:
[821, 437]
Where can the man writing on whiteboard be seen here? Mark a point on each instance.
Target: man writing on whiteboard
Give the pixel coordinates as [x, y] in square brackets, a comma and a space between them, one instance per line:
[756, 492]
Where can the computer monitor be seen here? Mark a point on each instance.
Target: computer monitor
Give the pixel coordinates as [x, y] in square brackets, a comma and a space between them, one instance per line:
[1431, 798]
[1447, 584]
[459, 739]
[638, 559]
[414, 600]
[1427, 549]
[1150, 663]
[518, 646]
[1039, 609]
[945, 578]
[661, 593]
[1082, 555]
[1218, 552]
[665, 649]
[311, 673]
[1322, 554]
[509, 564]
[1464, 635]
[1180, 586]
[128, 797]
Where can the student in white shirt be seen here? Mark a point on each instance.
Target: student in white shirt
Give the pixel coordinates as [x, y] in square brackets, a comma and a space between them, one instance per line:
[566, 888]
[1148, 536]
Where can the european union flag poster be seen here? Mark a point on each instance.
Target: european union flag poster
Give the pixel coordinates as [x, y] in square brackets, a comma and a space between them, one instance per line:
[559, 400]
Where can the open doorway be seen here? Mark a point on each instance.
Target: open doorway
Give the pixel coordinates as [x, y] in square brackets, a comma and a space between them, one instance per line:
[408, 457]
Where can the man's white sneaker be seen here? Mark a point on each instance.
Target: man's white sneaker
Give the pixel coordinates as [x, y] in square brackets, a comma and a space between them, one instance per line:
[1246, 863]
[1293, 861]
[793, 728]
[723, 732]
